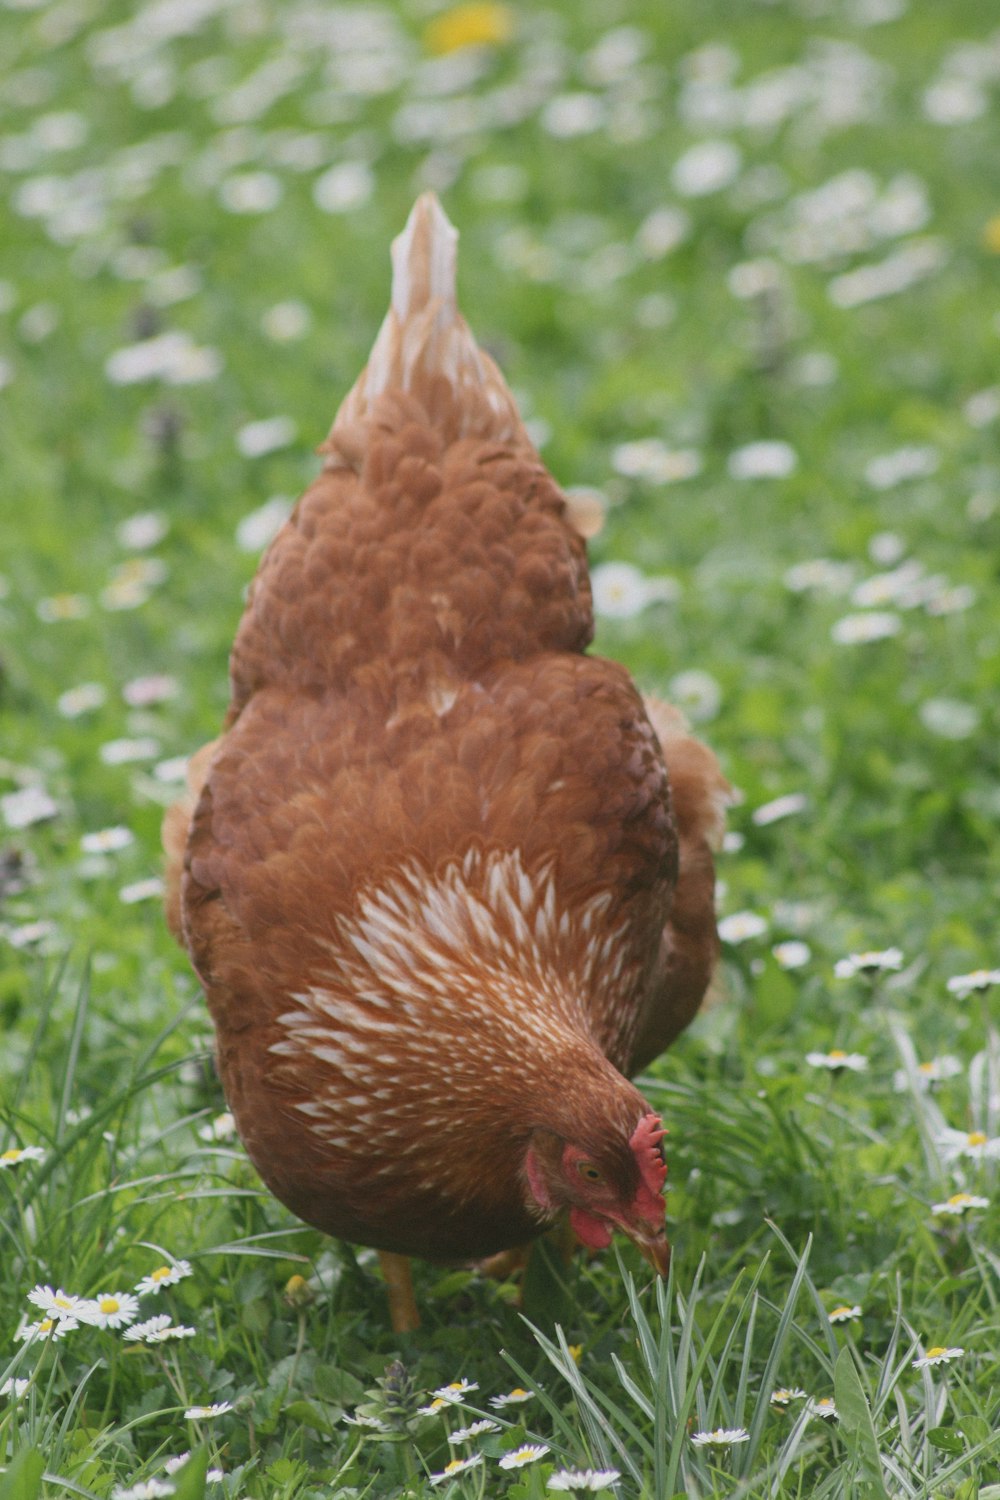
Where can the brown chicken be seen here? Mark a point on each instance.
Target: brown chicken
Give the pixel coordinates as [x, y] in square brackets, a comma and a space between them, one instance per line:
[446, 880]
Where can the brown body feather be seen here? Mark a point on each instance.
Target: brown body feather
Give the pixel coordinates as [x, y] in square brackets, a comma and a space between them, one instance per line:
[432, 875]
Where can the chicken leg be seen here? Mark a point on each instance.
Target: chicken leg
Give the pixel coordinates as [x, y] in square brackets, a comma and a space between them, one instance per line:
[399, 1284]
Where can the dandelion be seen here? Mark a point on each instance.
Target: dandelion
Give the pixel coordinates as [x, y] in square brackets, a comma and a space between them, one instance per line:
[927, 1073]
[873, 962]
[844, 1314]
[793, 954]
[970, 1145]
[741, 926]
[456, 1466]
[583, 1479]
[838, 1061]
[964, 985]
[465, 1434]
[163, 1276]
[825, 1407]
[859, 630]
[512, 1398]
[110, 1310]
[55, 1328]
[720, 1437]
[107, 841]
[528, 1453]
[959, 1204]
[456, 1389]
[785, 1395]
[477, 24]
[15, 1155]
[204, 1413]
[936, 1356]
[58, 1304]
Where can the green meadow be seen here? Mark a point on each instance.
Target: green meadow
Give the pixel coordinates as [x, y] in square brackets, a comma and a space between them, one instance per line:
[740, 263]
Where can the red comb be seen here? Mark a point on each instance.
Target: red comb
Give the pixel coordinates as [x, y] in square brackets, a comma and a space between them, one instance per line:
[645, 1142]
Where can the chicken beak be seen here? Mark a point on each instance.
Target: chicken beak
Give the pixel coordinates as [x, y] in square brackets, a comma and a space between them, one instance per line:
[652, 1245]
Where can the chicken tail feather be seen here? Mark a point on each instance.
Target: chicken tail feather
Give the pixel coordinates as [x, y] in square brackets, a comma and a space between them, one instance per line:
[424, 340]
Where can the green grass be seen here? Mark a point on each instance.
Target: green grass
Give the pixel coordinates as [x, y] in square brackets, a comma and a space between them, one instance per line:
[793, 1189]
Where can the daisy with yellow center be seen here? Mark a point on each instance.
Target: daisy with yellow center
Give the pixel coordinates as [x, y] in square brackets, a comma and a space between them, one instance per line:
[163, 1276]
[477, 1429]
[874, 961]
[512, 1398]
[110, 1310]
[838, 1061]
[960, 1203]
[56, 1328]
[203, 1413]
[58, 1304]
[970, 1145]
[62, 607]
[456, 1466]
[937, 1356]
[528, 1453]
[14, 1155]
[844, 1314]
[720, 1437]
[825, 1407]
[455, 1390]
[785, 1395]
[963, 985]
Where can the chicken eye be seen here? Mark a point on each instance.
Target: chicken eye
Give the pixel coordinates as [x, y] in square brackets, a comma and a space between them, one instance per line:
[589, 1171]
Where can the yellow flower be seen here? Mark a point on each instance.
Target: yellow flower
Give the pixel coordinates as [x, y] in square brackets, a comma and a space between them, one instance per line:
[480, 24]
[991, 235]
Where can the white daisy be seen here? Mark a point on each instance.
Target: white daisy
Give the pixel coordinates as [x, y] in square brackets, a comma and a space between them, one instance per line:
[825, 1407]
[838, 1061]
[222, 1128]
[781, 807]
[455, 1390]
[872, 625]
[55, 1304]
[741, 926]
[844, 1314]
[763, 460]
[964, 985]
[968, 1145]
[55, 1328]
[81, 700]
[146, 1489]
[528, 1453]
[583, 1479]
[793, 954]
[720, 1437]
[464, 1434]
[163, 1276]
[456, 1466]
[928, 1073]
[107, 841]
[785, 1395]
[30, 805]
[110, 1310]
[202, 1413]
[873, 962]
[936, 1356]
[157, 1330]
[512, 1398]
[959, 1204]
[14, 1155]
[14, 1389]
